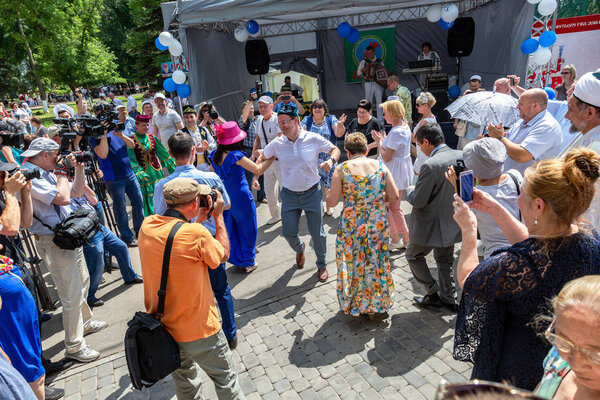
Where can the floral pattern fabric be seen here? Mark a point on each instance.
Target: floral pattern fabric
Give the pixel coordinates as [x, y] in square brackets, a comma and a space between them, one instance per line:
[364, 283]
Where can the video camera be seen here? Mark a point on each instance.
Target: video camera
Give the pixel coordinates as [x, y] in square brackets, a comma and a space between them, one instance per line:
[88, 125]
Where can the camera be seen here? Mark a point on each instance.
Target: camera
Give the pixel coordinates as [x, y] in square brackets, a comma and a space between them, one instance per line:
[258, 85]
[84, 156]
[12, 139]
[211, 112]
[29, 174]
[285, 97]
[212, 195]
[458, 168]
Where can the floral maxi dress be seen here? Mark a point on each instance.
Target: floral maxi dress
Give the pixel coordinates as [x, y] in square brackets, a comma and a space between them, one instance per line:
[364, 284]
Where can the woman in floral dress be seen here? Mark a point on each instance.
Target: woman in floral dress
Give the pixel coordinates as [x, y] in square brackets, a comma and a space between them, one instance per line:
[364, 284]
[147, 156]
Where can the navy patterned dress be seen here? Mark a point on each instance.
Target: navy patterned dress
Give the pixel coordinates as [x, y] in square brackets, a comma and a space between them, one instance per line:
[502, 296]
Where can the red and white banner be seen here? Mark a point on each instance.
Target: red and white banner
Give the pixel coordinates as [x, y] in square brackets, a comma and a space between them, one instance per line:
[577, 43]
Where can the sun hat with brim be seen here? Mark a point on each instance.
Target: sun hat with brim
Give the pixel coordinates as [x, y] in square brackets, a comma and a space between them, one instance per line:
[182, 190]
[52, 131]
[229, 133]
[40, 145]
[120, 106]
[5, 166]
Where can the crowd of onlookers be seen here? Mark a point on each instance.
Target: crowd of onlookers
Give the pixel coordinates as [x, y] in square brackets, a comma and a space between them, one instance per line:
[528, 233]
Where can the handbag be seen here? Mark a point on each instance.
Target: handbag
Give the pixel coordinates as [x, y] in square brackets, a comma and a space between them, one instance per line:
[150, 350]
[461, 128]
[76, 230]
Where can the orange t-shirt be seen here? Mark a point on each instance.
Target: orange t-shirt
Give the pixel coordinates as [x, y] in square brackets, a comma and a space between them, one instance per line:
[190, 312]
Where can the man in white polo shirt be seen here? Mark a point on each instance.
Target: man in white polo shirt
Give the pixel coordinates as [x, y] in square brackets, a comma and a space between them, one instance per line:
[267, 129]
[165, 122]
[298, 153]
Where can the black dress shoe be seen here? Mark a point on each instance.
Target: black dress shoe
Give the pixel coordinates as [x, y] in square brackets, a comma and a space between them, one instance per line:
[451, 306]
[95, 303]
[133, 243]
[135, 280]
[55, 367]
[232, 342]
[52, 393]
[428, 301]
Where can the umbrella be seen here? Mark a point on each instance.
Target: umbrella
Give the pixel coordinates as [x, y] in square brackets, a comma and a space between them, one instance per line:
[482, 108]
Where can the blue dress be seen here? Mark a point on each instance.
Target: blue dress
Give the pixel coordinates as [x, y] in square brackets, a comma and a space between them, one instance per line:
[502, 296]
[324, 131]
[240, 219]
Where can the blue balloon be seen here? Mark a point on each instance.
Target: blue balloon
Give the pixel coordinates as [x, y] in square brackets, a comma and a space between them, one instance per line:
[354, 35]
[529, 46]
[547, 38]
[551, 93]
[183, 90]
[454, 91]
[252, 27]
[344, 29]
[159, 45]
[445, 25]
[169, 85]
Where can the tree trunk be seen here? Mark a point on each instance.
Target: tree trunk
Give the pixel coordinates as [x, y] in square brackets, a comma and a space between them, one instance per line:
[34, 71]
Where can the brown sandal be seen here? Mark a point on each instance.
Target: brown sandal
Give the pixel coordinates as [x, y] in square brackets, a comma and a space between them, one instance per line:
[252, 268]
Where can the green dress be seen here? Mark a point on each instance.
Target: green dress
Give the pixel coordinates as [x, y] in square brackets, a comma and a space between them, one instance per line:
[146, 159]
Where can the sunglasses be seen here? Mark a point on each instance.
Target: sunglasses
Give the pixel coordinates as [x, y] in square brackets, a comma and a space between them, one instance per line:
[317, 106]
[565, 73]
[447, 391]
[565, 346]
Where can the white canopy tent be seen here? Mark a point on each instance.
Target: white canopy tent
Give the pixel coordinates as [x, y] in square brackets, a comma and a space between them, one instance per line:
[296, 29]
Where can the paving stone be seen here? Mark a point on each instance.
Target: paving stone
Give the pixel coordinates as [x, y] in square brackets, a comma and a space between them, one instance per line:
[282, 386]
[263, 384]
[327, 371]
[105, 381]
[105, 370]
[266, 360]
[253, 339]
[377, 382]
[274, 373]
[89, 385]
[300, 384]
[327, 394]
[88, 373]
[428, 391]
[289, 395]
[339, 384]
[271, 342]
[370, 394]
[72, 385]
[272, 395]
[246, 383]
[256, 372]
[250, 361]
[309, 394]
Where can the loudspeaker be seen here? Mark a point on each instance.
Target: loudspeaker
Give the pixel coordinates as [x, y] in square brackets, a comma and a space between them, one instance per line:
[441, 102]
[257, 57]
[461, 37]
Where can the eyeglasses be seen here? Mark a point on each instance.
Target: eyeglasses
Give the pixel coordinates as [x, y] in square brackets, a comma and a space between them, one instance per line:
[567, 347]
[286, 122]
[565, 73]
[418, 104]
[317, 106]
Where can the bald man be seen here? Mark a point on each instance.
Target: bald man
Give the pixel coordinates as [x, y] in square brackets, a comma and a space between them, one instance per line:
[502, 86]
[535, 137]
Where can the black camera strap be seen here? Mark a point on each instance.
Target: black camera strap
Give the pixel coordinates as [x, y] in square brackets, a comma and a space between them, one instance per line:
[162, 292]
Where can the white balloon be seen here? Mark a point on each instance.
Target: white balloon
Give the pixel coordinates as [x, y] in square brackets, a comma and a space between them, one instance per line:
[165, 38]
[434, 13]
[542, 55]
[241, 34]
[254, 34]
[533, 1]
[546, 7]
[178, 77]
[175, 48]
[449, 12]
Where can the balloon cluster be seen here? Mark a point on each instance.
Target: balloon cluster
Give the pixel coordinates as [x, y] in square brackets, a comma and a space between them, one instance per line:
[443, 14]
[176, 83]
[540, 48]
[243, 32]
[347, 32]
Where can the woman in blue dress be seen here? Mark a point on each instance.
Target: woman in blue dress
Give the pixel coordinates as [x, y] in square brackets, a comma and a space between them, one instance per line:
[229, 161]
[330, 128]
[503, 294]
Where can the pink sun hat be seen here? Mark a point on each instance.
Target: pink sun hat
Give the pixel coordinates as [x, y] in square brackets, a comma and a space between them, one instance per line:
[229, 133]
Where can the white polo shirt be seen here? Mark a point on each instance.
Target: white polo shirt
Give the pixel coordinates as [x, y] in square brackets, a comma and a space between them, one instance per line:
[298, 160]
[267, 129]
[166, 124]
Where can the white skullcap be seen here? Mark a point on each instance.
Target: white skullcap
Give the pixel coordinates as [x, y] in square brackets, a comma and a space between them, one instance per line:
[587, 88]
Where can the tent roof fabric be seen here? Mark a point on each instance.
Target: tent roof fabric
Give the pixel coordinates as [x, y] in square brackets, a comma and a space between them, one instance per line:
[207, 13]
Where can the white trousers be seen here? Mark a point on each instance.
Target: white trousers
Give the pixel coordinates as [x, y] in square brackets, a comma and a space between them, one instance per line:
[373, 89]
[72, 280]
[271, 179]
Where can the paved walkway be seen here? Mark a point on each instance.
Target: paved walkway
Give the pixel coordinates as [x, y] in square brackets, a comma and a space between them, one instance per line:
[294, 343]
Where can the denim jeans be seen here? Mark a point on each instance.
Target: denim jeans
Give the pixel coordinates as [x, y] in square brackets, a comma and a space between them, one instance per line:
[292, 204]
[94, 258]
[117, 190]
[222, 292]
[261, 194]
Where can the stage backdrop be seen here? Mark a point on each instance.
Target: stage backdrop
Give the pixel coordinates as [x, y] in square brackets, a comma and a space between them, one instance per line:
[383, 40]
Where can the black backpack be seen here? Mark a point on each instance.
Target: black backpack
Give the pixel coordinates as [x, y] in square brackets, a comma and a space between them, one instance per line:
[150, 350]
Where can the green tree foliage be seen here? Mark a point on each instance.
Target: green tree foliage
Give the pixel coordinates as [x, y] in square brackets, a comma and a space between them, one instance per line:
[574, 8]
[115, 25]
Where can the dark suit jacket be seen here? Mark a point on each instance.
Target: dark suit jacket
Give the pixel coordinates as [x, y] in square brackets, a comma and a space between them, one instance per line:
[431, 222]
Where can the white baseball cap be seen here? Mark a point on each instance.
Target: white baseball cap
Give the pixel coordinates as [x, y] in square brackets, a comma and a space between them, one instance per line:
[159, 96]
[265, 99]
[475, 78]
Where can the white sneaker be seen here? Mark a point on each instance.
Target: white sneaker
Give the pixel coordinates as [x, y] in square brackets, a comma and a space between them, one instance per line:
[94, 326]
[86, 354]
[397, 246]
[273, 220]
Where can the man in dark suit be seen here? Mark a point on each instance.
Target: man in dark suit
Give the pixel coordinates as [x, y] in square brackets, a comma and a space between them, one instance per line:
[431, 224]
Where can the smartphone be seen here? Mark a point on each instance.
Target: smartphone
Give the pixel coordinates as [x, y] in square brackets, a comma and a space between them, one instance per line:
[466, 186]
[512, 81]
[285, 97]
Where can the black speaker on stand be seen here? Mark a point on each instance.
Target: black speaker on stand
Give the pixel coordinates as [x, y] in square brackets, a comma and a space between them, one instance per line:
[441, 102]
[461, 38]
[257, 57]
